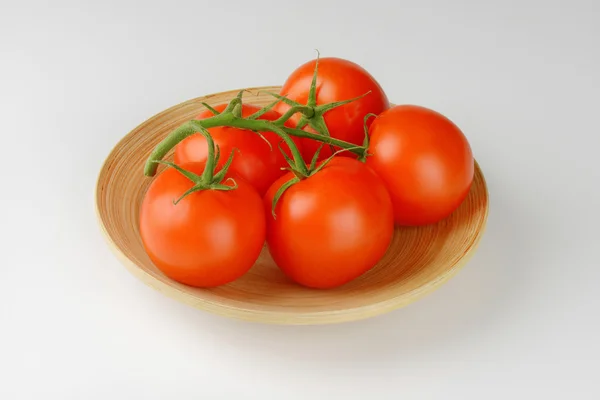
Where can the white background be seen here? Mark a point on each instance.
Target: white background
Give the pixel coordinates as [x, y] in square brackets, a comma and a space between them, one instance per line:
[521, 321]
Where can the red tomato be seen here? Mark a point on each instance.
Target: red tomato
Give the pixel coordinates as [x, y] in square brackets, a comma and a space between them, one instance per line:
[425, 161]
[337, 80]
[209, 238]
[330, 227]
[256, 162]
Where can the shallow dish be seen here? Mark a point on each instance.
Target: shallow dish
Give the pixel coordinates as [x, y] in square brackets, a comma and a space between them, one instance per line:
[418, 261]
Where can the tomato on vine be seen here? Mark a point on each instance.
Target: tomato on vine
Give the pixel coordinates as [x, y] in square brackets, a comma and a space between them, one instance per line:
[258, 161]
[425, 161]
[329, 219]
[200, 228]
[330, 227]
[341, 93]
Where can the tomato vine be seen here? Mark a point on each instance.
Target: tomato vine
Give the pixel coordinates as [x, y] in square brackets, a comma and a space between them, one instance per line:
[209, 178]
[311, 115]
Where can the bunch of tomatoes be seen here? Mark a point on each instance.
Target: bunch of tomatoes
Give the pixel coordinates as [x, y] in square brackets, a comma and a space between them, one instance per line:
[323, 176]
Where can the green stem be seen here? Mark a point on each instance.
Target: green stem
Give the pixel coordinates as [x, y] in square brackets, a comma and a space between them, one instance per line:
[262, 125]
[324, 139]
[234, 102]
[231, 116]
[199, 184]
[219, 176]
[228, 119]
[280, 192]
[237, 110]
[180, 134]
[306, 110]
[209, 108]
[312, 93]
[264, 110]
[211, 160]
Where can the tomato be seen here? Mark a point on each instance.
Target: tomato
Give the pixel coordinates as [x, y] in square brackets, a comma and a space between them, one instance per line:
[256, 162]
[330, 227]
[337, 80]
[210, 237]
[425, 161]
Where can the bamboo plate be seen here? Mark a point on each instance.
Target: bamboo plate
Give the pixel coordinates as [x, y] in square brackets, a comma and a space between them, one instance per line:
[418, 261]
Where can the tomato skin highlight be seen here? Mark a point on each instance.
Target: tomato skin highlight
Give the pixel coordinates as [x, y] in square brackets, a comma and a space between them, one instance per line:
[331, 227]
[210, 238]
[255, 161]
[337, 80]
[425, 161]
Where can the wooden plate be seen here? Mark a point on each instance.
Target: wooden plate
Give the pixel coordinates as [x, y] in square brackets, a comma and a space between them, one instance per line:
[418, 261]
